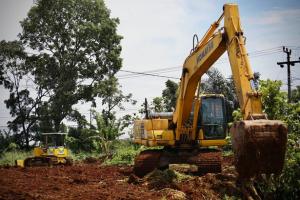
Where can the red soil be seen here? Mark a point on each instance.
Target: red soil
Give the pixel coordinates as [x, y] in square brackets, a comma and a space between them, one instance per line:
[94, 181]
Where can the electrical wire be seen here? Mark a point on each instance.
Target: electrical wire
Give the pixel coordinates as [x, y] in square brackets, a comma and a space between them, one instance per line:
[253, 54]
[148, 74]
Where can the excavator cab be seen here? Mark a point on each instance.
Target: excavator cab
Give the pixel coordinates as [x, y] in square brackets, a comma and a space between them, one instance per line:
[212, 117]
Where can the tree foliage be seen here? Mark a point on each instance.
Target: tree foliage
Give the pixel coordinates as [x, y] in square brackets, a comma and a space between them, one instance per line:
[286, 185]
[22, 105]
[109, 126]
[165, 103]
[112, 97]
[169, 95]
[295, 97]
[157, 104]
[75, 47]
[272, 98]
[72, 53]
[218, 84]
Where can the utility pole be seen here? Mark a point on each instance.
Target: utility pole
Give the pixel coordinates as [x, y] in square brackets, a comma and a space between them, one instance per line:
[289, 63]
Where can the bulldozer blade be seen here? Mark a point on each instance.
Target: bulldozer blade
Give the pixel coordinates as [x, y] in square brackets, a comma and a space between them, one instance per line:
[259, 147]
[19, 163]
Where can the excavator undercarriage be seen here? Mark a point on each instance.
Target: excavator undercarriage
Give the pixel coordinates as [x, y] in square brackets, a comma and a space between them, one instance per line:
[206, 160]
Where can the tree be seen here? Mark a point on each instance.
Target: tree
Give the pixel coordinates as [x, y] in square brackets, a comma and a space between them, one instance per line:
[23, 106]
[109, 126]
[169, 95]
[5, 140]
[285, 185]
[218, 84]
[75, 48]
[112, 97]
[273, 99]
[157, 104]
[109, 130]
[295, 97]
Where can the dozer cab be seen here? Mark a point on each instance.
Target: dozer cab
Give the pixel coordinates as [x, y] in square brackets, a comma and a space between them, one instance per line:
[51, 151]
[196, 130]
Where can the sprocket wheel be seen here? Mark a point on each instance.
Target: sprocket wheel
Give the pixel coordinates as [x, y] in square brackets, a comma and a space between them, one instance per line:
[146, 162]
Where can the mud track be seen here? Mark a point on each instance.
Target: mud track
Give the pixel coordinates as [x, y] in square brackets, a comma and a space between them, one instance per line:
[95, 181]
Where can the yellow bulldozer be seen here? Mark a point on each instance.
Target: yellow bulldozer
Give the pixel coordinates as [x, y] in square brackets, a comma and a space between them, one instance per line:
[51, 151]
[196, 130]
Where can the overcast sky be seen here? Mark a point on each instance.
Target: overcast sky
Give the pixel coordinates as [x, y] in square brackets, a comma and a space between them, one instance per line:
[158, 35]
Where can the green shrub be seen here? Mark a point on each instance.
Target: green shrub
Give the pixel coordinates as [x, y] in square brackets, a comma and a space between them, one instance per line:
[287, 184]
[124, 155]
[125, 151]
[9, 157]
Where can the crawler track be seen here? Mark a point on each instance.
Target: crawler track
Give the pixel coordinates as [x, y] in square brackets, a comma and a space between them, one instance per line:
[207, 162]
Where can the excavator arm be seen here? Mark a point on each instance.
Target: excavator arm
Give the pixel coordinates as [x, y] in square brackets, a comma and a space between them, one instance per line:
[230, 38]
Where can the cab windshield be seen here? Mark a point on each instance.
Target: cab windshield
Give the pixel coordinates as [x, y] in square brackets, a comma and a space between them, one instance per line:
[212, 118]
[212, 111]
[54, 140]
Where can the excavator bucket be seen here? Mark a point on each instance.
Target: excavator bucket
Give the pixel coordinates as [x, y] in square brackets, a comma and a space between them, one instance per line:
[259, 147]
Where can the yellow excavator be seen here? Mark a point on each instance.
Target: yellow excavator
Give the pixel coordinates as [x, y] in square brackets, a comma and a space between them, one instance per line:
[197, 128]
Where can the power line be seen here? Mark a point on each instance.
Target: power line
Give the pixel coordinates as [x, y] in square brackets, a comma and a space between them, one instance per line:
[289, 63]
[153, 73]
[160, 71]
[173, 69]
[148, 74]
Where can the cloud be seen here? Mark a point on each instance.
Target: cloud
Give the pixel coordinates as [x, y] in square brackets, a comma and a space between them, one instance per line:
[155, 32]
[277, 17]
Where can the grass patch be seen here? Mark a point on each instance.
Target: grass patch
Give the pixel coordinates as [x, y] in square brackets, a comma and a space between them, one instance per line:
[158, 179]
[9, 157]
[124, 155]
[83, 155]
[124, 152]
[227, 152]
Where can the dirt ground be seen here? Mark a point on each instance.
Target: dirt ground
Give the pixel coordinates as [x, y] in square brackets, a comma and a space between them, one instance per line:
[95, 181]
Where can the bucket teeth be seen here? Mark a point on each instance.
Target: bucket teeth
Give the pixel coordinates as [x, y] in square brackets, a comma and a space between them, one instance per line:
[259, 147]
